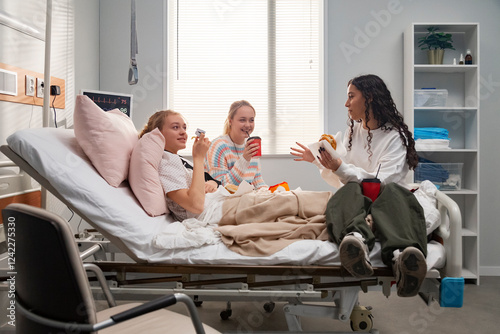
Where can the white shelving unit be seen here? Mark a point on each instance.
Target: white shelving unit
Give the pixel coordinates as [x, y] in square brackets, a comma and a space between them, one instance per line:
[460, 117]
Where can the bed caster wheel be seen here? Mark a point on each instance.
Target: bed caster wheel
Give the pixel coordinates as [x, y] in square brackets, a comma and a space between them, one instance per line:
[197, 302]
[269, 307]
[361, 319]
[224, 315]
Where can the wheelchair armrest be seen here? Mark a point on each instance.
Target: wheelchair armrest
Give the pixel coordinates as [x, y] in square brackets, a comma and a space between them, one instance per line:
[122, 316]
[159, 303]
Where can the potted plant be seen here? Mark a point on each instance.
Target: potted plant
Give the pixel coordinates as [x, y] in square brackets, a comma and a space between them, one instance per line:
[435, 43]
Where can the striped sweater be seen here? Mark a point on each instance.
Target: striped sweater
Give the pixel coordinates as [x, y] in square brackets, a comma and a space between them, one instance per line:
[225, 162]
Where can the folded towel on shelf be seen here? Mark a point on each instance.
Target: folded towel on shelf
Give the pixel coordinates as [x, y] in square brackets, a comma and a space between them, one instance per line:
[432, 144]
[430, 133]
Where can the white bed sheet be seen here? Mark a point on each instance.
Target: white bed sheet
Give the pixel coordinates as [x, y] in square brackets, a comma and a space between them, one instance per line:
[56, 155]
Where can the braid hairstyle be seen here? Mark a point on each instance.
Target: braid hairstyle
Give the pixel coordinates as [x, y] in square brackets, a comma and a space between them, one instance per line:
[156, 121]
[379, 98]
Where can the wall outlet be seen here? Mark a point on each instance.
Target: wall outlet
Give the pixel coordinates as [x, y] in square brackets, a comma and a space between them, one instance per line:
[30, 85]
[39, 87]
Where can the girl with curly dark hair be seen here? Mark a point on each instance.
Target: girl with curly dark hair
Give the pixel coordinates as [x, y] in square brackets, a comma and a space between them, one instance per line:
[378, 142]
[378, 145]
[380, 112]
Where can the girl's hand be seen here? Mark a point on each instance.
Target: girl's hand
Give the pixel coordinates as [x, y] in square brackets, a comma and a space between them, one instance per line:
[200, 147]
[250, 150]
[210, 186]
[303, 154]
[327, 161]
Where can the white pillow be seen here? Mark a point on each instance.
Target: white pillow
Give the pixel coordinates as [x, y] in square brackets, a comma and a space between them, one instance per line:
[143, 177]
[107, 138]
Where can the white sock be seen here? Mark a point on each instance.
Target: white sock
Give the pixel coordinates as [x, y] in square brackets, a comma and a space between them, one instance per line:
[357, 235]
[396, 254]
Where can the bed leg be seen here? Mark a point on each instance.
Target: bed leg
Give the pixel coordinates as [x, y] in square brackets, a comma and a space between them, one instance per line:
[386, 284]
[345, 299]
[292, 318]
[429, 291]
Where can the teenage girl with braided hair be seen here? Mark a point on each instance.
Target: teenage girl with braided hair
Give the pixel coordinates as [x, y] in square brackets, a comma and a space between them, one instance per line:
[378, 143]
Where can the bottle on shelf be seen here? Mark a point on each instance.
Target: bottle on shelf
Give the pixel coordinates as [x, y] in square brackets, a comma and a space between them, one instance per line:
[468, 58]
[461, 62]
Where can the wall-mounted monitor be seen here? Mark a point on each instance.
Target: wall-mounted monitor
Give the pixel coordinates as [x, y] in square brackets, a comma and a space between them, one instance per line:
[109, 100]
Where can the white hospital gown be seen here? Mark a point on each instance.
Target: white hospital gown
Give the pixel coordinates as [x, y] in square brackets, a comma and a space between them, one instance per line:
[189, 230]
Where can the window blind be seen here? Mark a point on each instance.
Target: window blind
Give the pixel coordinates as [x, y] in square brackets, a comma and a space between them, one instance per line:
[265, 52]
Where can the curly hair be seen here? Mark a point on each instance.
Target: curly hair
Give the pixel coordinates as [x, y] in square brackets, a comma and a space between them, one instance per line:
[379, 99]
[156, 121]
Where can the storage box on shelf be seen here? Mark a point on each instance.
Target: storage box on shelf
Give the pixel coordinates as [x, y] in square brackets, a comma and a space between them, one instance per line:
[431, 97]
[446, 176]
[456, 109]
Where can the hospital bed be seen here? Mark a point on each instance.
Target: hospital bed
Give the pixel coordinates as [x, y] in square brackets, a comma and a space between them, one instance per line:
[306, 275]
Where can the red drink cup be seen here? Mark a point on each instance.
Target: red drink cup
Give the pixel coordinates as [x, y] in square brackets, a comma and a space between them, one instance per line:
[371, 188]
[256, 139]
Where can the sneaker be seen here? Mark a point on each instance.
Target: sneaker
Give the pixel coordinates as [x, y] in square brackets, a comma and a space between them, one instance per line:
[354, 256]
[410, 269]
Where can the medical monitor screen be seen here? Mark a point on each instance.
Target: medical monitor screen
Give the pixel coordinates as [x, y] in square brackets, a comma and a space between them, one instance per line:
[108, 100]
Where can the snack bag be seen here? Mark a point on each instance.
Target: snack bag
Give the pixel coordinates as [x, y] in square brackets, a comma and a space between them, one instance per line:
[282, 185]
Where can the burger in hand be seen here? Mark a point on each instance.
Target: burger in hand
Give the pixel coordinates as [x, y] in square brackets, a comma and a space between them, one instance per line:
[329, 139]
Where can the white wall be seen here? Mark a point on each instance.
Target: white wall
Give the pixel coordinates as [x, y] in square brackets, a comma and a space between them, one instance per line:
[28, 53]
[22, 51]
[86, 48]
[115, 54]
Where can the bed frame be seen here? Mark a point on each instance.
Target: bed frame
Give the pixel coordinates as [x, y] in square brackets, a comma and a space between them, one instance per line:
[296, 285]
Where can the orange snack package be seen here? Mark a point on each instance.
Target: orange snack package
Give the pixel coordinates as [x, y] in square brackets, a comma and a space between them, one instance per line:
[276, 186]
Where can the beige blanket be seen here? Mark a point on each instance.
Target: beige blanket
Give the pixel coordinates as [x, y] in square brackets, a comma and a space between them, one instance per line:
[260, 224]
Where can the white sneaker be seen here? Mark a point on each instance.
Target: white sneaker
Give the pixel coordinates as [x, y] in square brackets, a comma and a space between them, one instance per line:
[354, 256]
[410, 269]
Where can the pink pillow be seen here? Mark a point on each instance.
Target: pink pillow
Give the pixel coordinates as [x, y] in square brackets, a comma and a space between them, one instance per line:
[143, 176]
[107, 138]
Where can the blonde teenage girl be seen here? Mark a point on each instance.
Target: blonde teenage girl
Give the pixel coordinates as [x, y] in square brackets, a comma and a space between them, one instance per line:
[230, 158]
